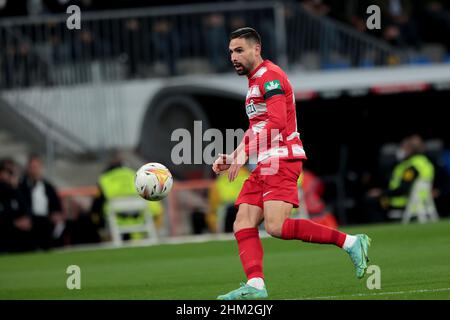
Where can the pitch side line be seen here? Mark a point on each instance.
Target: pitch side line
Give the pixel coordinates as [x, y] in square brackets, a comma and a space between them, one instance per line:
[379, 293]
[161, 241]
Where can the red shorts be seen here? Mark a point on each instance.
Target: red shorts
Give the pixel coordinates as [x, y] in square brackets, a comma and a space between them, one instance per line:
[272, 182]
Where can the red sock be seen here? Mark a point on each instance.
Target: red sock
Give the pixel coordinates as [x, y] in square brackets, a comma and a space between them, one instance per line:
[250, 252]
[308, 231]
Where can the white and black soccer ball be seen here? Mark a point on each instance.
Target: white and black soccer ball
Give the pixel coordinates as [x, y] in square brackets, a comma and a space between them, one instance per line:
[153, 181]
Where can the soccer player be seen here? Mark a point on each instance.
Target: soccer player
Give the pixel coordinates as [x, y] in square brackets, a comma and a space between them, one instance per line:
[270, 192]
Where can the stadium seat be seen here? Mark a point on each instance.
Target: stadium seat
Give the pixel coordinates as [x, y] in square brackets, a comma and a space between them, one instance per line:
[338, 65]
[367, 63]
[130, 205]
[434, 51]
[310, 60]
[419, 60]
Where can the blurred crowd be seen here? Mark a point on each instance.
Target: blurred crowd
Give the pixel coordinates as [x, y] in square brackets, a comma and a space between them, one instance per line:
[32, 216]
[404, 23]
[142, 43]
[35, 216]
[156, 46]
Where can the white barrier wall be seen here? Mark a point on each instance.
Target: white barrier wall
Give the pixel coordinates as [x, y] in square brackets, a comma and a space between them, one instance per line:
[108, 115]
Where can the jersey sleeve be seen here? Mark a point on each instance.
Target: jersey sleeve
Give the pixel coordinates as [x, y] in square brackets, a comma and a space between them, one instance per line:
[272, 88]
[271, 84]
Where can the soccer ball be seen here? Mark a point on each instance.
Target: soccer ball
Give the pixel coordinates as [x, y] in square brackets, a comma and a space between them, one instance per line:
[153, 181]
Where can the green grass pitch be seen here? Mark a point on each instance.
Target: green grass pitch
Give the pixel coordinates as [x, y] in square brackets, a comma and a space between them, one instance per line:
[414, 261]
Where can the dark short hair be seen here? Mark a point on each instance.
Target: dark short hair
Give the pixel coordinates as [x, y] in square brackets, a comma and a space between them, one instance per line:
[34, 156]
[246, 33]
[7, 164]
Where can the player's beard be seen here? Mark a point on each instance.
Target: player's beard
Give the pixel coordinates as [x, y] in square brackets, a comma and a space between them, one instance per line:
[242, 71]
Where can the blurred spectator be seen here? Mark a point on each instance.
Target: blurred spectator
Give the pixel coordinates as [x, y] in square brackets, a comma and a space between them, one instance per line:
[83, 49]
[16, 227]
[316, 7]
[13, 168]
[216, 35]
[166, 44]
[399, 25]
[236, 22]
[36, 7]
[132, 33]
[18, 63]
[7, 66]
[222, 196]
[44, 204]
[412, 165]
[57, 50]
[79, 227]
[435, 15]
[116, 181]
[198, 221]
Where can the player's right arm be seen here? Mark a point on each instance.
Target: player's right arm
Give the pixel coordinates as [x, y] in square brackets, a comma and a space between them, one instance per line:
[222, 163]
[237, 157]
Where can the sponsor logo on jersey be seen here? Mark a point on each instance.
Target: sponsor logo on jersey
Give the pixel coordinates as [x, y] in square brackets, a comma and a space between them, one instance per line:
[272, 85]
[255, 109]
[250, 109]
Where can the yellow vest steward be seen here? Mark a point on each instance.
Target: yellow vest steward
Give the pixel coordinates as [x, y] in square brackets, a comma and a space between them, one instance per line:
[425, 171]
[229, 191]
[223, 192]
[119, 182]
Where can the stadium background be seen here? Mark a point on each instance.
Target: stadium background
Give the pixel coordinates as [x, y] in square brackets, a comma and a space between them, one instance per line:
[135, 72]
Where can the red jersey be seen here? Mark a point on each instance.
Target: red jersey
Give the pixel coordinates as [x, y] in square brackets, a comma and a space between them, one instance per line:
[270, 105]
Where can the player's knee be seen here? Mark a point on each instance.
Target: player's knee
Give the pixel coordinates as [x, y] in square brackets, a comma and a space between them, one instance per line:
[273, 228]
[243, 220]
[241, 223]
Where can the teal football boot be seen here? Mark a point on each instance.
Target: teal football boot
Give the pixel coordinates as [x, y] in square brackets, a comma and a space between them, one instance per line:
[359, 253]
[245, 292]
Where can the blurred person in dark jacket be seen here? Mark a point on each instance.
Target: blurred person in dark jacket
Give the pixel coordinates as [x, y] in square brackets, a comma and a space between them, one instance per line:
[399, 23]
[16, 227]
[44, 204]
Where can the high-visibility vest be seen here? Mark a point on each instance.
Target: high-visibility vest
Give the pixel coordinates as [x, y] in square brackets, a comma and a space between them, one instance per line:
[229, 191]
[223, 193]
[119, 182]
[425, 171]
